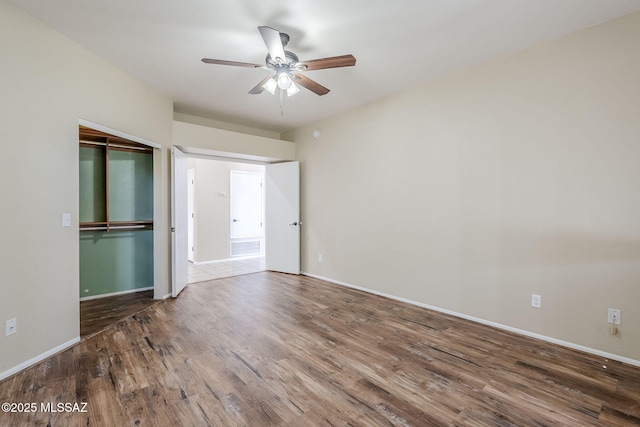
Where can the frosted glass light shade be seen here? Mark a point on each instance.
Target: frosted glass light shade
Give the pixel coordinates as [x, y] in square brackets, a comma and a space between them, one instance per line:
[293, 89]
[270, 86]
[284, 81]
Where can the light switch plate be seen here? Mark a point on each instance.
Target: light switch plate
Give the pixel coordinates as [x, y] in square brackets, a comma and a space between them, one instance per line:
[66, 220]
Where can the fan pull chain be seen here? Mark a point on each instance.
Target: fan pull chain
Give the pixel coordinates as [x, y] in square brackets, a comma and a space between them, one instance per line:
[281, 102]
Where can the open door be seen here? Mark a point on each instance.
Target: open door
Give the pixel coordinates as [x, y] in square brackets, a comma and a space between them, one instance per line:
[282, 217]
[191, 215]
[179, 222]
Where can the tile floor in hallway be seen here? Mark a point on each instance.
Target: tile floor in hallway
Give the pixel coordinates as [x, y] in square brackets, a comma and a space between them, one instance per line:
[202, 272]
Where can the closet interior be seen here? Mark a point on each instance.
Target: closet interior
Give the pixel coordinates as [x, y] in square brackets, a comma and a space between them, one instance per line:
[115, 215]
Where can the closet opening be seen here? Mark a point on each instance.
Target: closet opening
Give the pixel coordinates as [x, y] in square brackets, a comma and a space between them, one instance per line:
[116, 215]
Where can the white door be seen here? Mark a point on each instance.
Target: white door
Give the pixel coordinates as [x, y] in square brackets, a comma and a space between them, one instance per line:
[179, 221]
[246, 204]
[191, 214]
[282, 217]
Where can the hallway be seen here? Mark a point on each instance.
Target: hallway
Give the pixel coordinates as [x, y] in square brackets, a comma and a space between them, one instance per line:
[202, 272]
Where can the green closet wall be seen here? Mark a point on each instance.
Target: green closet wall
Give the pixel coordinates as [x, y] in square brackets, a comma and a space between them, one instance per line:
[92, 185]
[116, 260]
[130, 186]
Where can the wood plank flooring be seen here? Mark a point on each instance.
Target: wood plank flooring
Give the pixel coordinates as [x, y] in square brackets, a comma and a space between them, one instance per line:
[272, 349]
[97, 314]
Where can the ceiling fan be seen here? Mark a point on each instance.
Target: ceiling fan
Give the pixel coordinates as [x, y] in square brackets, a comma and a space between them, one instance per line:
[287, 66]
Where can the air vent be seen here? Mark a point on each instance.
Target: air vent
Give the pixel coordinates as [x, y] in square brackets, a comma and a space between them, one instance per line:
[251, 247]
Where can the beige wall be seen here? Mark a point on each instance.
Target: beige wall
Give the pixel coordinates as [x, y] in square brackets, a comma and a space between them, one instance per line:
[212, 210]
[186, 118]
[515, 177]
[200, 139]
[47, 84]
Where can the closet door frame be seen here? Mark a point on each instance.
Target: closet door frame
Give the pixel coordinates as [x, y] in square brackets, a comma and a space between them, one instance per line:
[159, 276]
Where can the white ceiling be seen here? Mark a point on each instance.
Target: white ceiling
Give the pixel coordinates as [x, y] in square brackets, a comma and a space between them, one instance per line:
[398, 44]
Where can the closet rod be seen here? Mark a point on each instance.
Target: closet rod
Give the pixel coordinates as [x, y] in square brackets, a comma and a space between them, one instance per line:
[118, 227]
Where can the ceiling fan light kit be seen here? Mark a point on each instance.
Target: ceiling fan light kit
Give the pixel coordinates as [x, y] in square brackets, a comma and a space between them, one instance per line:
[292, 90]
[284, 80]
[270, 86]
[288, 68]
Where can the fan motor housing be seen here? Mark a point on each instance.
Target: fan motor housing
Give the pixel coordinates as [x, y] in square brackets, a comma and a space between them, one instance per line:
[291, 58]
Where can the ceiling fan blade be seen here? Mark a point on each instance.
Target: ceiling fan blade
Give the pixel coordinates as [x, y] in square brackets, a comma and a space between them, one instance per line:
[234, 63]
[259, 88]
[332, 62]
[273, 41]
[313, 86]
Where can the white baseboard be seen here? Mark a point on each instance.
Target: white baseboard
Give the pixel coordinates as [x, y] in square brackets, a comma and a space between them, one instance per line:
[130, 291]
[39, 358]
[486, 322]
[235, 258]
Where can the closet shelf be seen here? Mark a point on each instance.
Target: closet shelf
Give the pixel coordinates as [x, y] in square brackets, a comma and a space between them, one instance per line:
[116, 225]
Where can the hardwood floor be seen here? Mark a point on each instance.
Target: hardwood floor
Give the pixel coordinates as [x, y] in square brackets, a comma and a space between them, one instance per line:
[272, 349]
[97, 314]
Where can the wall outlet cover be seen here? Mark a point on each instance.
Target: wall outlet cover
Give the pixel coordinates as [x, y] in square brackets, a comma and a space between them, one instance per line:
[11, 327]
[536, 301]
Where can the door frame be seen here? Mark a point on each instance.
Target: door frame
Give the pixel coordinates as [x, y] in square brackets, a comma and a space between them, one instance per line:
[226, 156]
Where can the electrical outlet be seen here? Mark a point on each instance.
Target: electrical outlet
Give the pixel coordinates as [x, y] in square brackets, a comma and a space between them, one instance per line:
[614, 316]
[536, 301]
[319, 258]
[11, 327]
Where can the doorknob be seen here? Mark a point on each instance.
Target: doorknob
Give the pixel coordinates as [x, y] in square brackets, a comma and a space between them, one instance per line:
[295, 223]
[235, 220]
